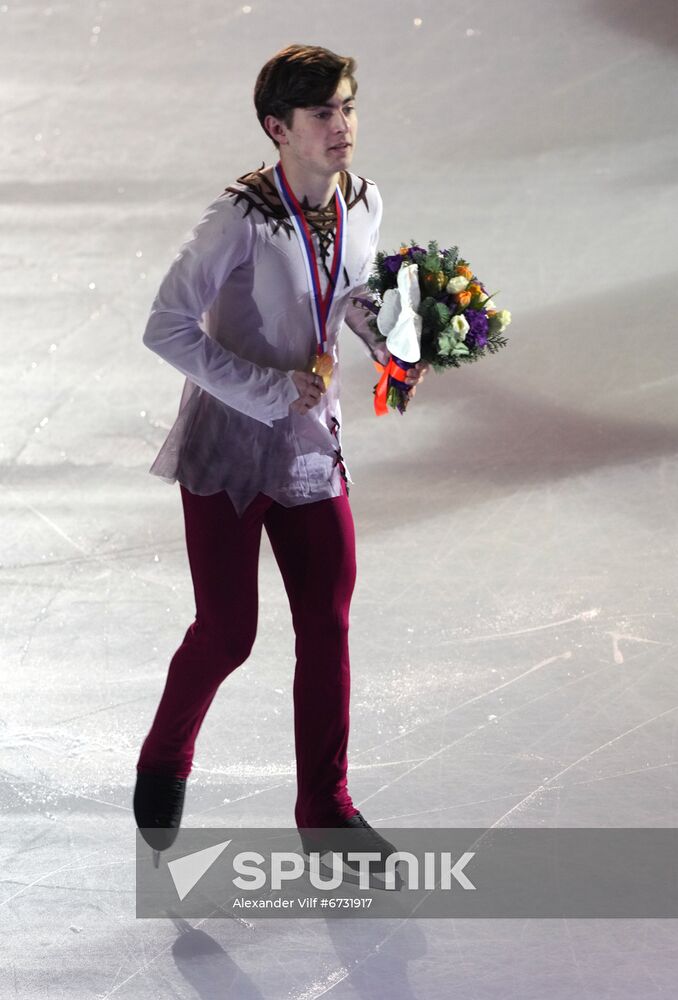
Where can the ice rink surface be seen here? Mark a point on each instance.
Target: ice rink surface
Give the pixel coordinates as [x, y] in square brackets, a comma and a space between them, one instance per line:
[513, 626]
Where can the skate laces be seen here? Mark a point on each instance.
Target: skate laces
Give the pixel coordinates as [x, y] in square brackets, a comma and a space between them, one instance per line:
[368, 836]
[169, 802]
[175, 797]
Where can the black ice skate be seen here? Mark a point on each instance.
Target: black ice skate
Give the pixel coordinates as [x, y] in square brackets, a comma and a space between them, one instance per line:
[158, 805]
[365, 838]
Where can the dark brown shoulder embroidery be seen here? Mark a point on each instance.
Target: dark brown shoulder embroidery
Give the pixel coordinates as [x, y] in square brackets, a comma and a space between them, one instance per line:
[262, 195]
[361, 195]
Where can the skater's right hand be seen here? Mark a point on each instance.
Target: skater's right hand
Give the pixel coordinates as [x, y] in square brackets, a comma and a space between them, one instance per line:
[310, 388]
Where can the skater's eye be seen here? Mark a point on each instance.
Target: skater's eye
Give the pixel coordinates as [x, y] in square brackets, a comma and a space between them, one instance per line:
[322, 114]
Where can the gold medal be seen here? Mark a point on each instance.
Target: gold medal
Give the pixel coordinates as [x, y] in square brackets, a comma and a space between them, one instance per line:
[321, 364]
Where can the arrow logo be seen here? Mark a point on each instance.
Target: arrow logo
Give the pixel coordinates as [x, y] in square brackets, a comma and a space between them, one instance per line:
[186, 872]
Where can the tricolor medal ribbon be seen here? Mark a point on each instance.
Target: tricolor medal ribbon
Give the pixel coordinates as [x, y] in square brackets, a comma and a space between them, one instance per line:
[321, 363]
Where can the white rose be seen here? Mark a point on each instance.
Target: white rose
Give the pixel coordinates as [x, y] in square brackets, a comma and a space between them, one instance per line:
[460, 326]
[456, 284]
[504, 317]
[489, 304]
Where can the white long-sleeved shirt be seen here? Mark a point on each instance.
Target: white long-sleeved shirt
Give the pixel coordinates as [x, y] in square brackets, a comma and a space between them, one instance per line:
[233, 314]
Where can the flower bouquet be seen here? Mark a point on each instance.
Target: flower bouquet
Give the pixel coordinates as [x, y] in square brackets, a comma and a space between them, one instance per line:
[429, 307]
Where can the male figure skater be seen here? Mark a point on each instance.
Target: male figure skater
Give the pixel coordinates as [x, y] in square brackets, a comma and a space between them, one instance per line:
[275, 265]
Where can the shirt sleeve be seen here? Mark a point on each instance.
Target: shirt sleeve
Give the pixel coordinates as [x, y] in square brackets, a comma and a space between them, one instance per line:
[220, 241]
[362, 303]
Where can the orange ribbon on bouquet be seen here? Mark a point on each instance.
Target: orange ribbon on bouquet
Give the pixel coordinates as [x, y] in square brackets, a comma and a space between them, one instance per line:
[392, 370]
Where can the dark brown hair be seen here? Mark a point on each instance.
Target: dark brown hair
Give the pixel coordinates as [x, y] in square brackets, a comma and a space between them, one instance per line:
[299, 76]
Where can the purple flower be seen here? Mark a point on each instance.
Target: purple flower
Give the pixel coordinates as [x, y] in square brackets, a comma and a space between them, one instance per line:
[393, 262]
[477, 320]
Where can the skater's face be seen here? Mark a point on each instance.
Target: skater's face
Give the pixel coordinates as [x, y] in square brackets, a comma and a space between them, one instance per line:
[315, 133]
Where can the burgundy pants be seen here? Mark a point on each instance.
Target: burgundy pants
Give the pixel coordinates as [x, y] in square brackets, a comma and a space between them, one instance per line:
[314, 546]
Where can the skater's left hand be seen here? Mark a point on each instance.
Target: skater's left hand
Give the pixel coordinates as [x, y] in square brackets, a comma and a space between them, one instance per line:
[415, 375]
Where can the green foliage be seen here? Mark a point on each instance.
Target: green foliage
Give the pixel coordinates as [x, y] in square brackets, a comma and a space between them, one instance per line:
[450, 260]
[435, 315]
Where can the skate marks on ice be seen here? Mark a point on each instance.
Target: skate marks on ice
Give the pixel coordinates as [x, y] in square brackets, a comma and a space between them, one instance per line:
[617, 688]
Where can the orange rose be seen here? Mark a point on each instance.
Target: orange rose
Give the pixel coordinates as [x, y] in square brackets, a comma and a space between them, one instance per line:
[473, 288]
[466, 271]
[463, 298]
